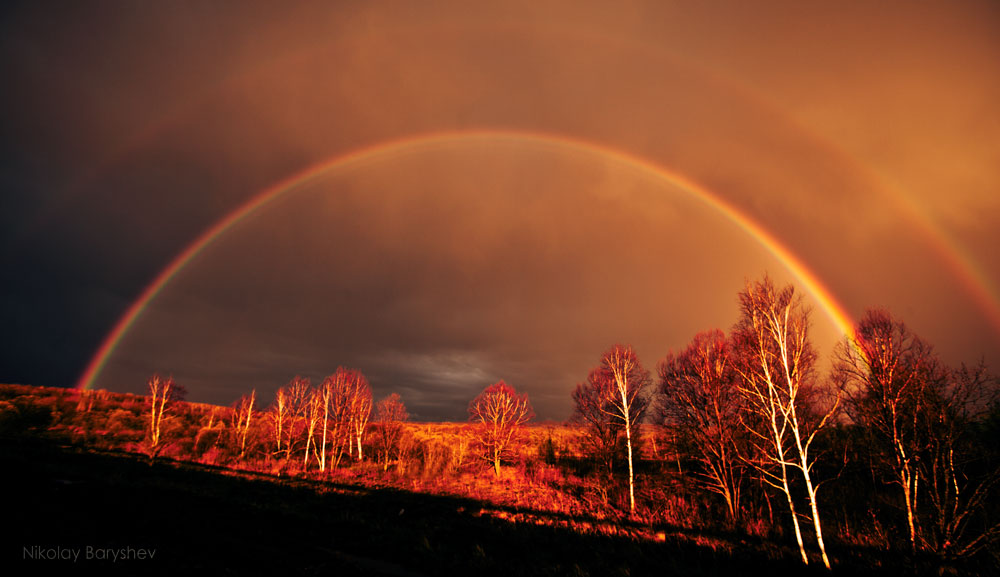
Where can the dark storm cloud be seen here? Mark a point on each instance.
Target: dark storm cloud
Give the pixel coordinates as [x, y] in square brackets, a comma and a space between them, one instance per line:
[129, 129]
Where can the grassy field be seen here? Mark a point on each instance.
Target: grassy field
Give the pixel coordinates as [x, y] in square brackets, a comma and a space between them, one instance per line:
[202, 520]
[78, 485]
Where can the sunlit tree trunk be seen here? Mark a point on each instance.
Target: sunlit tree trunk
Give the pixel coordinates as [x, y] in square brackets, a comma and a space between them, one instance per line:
[326, 394]
[242, 415]
[160, 391]
[312, 421]
[883, 371]
[629, 379]
[777, 359]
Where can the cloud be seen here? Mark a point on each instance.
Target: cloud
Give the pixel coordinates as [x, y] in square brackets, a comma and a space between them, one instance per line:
[129, 132]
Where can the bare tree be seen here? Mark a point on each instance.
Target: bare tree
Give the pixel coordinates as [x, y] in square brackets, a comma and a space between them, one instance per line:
[390, 414]
[278, 417]
[627, 401]
[959, 483]
[700, 397]
[776, 362]
[593, 408]
[339, 385]
[500, 412]
[296, 399]
[325, 397]
[241, 417]
[313, 413]
[359, 403]
[162, 393]
[884, 372]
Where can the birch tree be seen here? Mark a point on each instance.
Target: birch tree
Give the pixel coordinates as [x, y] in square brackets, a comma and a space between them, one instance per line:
[500, 412]
[627, 401]
[279, 417]
[313, 414]
[884, 372]
[359, 403]
[161, 392]
[776, 363]
[960, 483]
[241, 419]
[326, 396]
[296, 400]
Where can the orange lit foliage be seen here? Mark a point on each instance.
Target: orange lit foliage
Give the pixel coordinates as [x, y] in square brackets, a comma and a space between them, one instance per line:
[593, 409]
[500, 412]
[699, 395]
[390, 414]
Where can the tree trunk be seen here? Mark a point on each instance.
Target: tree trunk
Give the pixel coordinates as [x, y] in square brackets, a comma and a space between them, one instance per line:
[795, 517]
[631, 475]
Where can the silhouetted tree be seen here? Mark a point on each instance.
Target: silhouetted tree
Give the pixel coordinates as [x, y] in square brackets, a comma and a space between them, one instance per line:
[700, 397]
[959, 480]
[500, 412]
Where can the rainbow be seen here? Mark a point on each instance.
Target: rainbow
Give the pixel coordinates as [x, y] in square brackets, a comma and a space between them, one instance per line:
[387, 149]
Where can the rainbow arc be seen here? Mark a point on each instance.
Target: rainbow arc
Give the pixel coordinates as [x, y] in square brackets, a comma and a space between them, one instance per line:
[806, 278]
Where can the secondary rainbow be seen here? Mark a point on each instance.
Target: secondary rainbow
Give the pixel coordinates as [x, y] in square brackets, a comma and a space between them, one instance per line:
[807, 279]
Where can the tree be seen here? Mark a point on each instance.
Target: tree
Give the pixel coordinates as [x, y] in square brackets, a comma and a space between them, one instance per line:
[500, 412]
[359, 406]
[242, 415]
[390, 414]
[326, 398]
[699, 396]
[626, 402]
[593, 408]
[960, 481]
[278, 417]
[162, 392]
[776, 363]
[884, 372]
[315, 408]
[287, 413]
[342, 406]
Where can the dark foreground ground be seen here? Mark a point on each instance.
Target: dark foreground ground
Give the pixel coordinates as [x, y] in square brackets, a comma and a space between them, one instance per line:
[194, 520]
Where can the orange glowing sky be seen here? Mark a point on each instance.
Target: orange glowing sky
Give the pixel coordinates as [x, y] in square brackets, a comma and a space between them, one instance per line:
[865, 139]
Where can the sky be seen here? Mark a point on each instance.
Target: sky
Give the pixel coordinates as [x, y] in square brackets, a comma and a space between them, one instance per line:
[446, 194]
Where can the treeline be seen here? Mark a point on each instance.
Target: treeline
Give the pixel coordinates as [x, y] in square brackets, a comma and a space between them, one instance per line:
[306, 426]
[891, 451]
